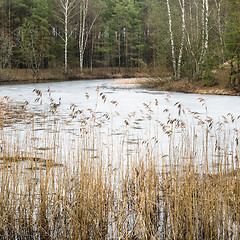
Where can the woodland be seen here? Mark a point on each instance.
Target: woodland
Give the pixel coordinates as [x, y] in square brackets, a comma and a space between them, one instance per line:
[98, 162]
[189, 38]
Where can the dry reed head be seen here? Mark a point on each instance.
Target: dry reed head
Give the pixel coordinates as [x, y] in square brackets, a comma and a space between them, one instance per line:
[192, 192]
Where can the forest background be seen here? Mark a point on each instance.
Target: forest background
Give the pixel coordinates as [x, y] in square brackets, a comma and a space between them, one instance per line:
[191, 39]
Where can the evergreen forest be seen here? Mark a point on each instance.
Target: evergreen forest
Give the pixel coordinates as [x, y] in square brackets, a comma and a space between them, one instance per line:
[189, 38]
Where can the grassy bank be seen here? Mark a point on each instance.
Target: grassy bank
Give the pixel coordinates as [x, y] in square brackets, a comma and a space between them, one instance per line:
[183, 85]
[217, 82]
[146, 77]
[12, 76]
[52, 188]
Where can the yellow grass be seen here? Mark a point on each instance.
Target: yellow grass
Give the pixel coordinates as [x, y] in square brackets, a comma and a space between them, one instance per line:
[132, 81]
[8, 76]
[194, 194]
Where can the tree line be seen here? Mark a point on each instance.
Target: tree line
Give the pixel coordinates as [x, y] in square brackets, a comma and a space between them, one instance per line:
[188, 37]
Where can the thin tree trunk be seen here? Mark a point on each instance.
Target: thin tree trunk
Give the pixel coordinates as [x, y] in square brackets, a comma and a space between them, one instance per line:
[203, 32]
[182, 4]
[197, 19]
[83, 30]
[82, 25]
[218, 6]
[119, 52]
[154, 55]
[66, 8]
[92, 51]
[126, 53]
[9, 28]
[206, 25]
[66, 37]
[172, 41]
[80, 43]
[9, 20]
[205, 21]
[190, 17]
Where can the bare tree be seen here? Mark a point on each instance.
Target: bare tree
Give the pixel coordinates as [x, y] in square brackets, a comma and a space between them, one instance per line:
[31, 50]
[85, 26]
[182, 5]
[33, 46]
[218, 4]
[172, 40]
[205, 34]
[65, 14]
[193, 33]
[6, 46]
[177, 61]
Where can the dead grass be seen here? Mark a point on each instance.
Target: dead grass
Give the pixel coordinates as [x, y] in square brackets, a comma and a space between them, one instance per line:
[184, 85]
[8, 76]
[191, 193]
[136, 81]
[158, 79]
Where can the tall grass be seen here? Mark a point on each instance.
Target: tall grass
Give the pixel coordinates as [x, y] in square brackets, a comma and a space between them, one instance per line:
[56, 186]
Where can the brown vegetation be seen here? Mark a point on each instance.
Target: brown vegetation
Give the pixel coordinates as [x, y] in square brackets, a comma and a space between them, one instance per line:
[148, 78]
[191, 193]
[220, 87]
[11, 76]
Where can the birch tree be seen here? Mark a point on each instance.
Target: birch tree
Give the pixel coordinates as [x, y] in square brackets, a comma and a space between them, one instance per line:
[88, 14]
[205, 34]
[83, 35]
[193, 33]
[218, 4]
[195, 19]
[182, 5]
[172, 40]
[65, 14]
[176, 62]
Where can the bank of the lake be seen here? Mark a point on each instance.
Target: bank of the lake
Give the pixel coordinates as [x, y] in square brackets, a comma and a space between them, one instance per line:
[144, 77]
[184, 85]
[17, 76]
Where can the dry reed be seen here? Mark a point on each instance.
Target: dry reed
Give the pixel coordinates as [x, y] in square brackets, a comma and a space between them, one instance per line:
[76, 189]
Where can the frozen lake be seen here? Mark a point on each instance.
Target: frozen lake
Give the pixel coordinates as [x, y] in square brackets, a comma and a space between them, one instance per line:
[128, 97]
[129, 119]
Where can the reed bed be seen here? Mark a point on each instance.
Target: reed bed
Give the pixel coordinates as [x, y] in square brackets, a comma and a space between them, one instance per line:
[56, 185]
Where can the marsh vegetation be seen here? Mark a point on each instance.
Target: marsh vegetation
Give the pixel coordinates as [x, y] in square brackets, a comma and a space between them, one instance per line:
[74, 176]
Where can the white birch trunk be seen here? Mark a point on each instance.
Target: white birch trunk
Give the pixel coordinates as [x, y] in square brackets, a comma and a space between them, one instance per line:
[218, 6]
[66, 36]
[119, 51]
[206, 26]
[84, 30]
[193, 34]
[203, 32]
[82, 25]
[172, 41]
[205, 35]
[66, 8]
[182, 4]
[197, 19]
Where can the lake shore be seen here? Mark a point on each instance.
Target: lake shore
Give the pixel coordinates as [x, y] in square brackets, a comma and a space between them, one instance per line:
[137, 77]
[18, 76]
[183, 85]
